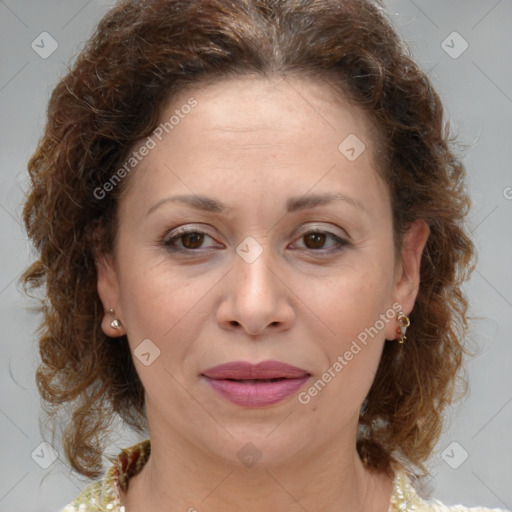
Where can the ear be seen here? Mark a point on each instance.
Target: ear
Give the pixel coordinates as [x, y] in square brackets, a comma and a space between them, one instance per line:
[108, 290]
[407, 281]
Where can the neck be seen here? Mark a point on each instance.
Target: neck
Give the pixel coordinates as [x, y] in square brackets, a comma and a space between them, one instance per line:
[182, 477]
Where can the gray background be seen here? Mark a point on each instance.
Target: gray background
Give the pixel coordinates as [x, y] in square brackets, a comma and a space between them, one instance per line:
[477, 89]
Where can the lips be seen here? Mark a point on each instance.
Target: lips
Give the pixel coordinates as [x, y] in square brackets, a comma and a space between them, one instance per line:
[259, 385]
[266, 370]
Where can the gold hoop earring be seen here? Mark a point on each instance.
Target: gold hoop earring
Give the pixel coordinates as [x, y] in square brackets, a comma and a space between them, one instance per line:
[404, 322]
[115, 324]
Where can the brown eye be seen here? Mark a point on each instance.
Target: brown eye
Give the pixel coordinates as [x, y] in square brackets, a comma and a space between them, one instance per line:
[321, 243]
[314, 240]
[192, 240]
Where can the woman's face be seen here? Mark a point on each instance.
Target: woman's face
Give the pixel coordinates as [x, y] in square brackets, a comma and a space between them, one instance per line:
[254, 228]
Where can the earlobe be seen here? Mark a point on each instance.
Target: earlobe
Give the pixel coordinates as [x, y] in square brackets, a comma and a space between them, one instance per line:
[408, 275]
[108, 291]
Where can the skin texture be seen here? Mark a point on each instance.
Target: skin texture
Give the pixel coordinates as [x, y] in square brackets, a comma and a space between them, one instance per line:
[252, 143]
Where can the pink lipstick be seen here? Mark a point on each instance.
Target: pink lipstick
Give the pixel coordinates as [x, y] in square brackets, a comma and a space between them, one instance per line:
[258, 385]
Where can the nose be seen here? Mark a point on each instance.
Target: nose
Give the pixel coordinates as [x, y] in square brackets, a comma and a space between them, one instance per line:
[255, 298]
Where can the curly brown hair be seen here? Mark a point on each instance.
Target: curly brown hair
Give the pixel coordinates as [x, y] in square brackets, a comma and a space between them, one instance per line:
[144, 52]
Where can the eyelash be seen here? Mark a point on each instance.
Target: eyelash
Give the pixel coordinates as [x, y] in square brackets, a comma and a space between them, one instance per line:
[169, 243]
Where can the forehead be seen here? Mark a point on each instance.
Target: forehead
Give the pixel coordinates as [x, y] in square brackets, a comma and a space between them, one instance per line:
[277, 105]
[259, 133]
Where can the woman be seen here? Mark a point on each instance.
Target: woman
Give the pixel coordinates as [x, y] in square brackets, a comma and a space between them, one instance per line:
[250, 229]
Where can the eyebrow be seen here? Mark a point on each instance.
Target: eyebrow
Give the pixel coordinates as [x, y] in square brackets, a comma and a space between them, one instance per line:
[293, 204]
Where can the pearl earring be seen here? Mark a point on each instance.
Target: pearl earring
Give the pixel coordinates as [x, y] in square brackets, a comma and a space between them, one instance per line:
[115, 324]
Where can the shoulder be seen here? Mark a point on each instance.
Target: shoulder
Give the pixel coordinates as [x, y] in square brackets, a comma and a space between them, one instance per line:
[103, 495]
[97, 497]
[405, 498]
[89, 500]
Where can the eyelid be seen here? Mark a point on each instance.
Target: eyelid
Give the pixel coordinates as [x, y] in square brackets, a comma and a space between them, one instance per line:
[175, 233]
[186, 228]
[316, 226]
[341, 241]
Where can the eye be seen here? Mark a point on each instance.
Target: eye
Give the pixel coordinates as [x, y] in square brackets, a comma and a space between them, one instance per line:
[316, 240]
[186, 239]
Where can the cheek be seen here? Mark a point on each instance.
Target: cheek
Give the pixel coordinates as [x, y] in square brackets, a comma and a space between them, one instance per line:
[165, 304]
[355, 308]
[168, 313]
[351, 300]
[155, 295]
[147, 309]
[157, 304]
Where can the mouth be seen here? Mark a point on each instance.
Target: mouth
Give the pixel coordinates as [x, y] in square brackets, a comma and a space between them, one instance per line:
[244, 371]
[259, 385]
